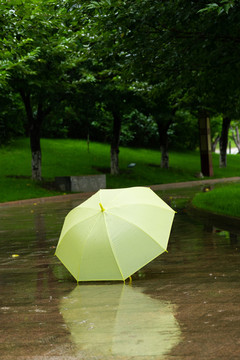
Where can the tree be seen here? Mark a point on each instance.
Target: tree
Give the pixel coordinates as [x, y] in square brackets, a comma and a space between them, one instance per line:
[118, 101]
[149, 44]
[173, 53]
[224, 62]
[39, 54]
[223, 142]
[112, 86]
[235, 135]
[156, 103]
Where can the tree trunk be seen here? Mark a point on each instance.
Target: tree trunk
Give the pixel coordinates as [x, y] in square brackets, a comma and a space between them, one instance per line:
[115, 143]
[163, 139]
[34, 133]
[205, 145]
[164, 157]
[36, 152]
[214, 143]
[236, 137]
[224, 142]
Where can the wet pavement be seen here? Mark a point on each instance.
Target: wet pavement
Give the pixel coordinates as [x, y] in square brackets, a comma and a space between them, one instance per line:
[184, 305]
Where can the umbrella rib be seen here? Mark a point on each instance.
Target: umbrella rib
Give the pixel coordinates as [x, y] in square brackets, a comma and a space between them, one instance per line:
[115, 258]
[97, 217]
[77, 223]
[115, 197]
[164, 207]
[132, 223]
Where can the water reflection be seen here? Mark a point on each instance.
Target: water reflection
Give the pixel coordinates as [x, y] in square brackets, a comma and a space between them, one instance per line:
[29, 295]
[200, 275]
[227, 227]
[117, 319]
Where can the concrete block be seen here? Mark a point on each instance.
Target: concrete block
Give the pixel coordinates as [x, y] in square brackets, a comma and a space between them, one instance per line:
[88, 183]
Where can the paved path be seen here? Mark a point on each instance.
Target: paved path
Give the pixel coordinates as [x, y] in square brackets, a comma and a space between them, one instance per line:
[187, 184]
[84, 196]
[187, 300]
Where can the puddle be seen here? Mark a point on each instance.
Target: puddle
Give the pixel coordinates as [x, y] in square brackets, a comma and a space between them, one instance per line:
[119, 320]
[183, 305]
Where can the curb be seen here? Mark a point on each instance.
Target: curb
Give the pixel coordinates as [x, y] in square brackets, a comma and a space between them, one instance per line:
[84, 196]
[187, 184]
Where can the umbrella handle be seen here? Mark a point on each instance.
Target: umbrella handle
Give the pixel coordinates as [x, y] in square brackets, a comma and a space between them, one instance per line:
[102, 208]
[130, 280]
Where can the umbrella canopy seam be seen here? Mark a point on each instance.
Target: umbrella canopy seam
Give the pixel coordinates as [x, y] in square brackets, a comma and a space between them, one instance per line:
[66, 266]
[115, 258]
[97, 215]
[132, 223]
[80, 262]
[112, 199]
[72, 227]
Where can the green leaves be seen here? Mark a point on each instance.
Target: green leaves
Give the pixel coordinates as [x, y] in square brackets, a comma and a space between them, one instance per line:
[223, 7]
[174, 52]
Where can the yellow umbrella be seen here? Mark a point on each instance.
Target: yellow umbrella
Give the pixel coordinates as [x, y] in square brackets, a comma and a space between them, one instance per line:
[114, 233]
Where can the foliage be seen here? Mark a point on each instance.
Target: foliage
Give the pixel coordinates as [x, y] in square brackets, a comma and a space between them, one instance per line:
[137, 129]
[149, 60]
[41, 49]
[175, 55]
[216, 125]
[183, 132]
[222, 7]
[12, 121]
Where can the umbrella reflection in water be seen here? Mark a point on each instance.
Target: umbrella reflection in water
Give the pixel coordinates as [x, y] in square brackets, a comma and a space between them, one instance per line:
[119, 320]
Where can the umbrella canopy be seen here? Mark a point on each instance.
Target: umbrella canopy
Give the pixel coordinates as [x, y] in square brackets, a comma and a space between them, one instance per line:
[114, 233]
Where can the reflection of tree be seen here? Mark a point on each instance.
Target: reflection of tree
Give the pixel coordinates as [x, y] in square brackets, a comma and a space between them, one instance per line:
[44, 274]
[31, 324]
[201, 276]
[218, 224]
[47, 294]
[233, 238]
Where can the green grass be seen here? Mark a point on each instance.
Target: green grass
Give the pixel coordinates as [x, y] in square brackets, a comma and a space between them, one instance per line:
[72, 157]
[221, 200]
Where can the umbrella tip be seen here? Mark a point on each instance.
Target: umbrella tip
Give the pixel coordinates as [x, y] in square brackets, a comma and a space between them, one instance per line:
[102, 208]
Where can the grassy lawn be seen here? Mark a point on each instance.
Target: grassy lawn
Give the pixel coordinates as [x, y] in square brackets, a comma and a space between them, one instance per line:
[72, 157]
[221, 200]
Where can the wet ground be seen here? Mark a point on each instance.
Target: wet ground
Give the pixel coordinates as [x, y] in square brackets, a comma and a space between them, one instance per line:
[184, 305]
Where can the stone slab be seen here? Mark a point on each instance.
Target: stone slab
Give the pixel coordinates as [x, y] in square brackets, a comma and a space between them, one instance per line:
[88, 183]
